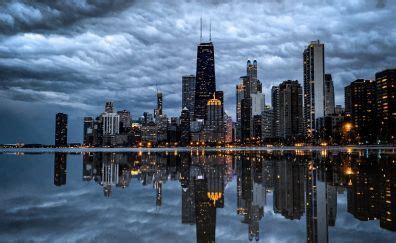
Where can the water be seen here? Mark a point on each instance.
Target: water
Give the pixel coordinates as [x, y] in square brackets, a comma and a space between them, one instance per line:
[173, 196]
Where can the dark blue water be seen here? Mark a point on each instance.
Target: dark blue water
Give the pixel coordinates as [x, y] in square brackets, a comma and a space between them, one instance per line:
[224, 196]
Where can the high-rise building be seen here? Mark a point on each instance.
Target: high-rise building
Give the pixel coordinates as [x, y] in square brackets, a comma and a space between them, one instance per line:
[228, 129]
[214, 124]
[111, 123]
[251, 73]
[109, 107]
[125, 121]
[386, 104]
[188, 93]
[240, 94]
[314, 87]
[158, 110]
[347, 99]
[61, 130]
[205, 84]
[88, 130]
[290, 109]
[363, 108]
[185, 127]
[246, 119]
[267, 121]
[275, 108]
[329, 95]
[258, 103]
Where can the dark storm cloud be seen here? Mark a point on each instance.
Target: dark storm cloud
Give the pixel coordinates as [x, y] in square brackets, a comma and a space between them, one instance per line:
[27, 16]
[74, 55]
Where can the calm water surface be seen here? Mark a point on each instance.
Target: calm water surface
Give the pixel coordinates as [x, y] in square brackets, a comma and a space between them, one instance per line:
[223, 196]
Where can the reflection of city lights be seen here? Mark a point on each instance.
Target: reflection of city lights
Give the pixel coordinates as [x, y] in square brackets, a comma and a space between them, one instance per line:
[214, 196]
[348, 171]
[347, 127]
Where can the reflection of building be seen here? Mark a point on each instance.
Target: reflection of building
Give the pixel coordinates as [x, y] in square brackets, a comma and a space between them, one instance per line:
[289, 189]
[60, 169]
[205, 212]
[251, 193]
[316, 206]
[61, 130]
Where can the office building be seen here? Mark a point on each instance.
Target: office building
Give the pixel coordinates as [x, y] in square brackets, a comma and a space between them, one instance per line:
[61, 130]
[205, 85]
[314, 87]
[362, 96]
[329, 95]
[188, 93]
[185, 127]
[275, 108]
[290, 109]
[214, 124]
[386, 104]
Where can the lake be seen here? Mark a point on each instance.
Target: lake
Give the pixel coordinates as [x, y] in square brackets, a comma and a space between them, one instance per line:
[199, 196]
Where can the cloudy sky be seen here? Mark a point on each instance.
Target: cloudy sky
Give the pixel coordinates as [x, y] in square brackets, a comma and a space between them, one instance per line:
[72, 56]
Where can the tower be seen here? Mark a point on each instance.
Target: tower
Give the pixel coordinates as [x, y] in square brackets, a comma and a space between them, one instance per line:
[205, 84]
[61, 130]
[314, 95]
[329, 95]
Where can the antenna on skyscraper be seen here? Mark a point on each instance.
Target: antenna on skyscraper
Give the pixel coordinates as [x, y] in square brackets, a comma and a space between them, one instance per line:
[210, 30]
[156, 86]
[200, 39]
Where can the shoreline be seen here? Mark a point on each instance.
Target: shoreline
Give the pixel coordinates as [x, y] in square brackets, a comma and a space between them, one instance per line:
[188, 149]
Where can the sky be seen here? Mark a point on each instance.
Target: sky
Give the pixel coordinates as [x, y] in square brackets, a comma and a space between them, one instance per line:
[72, 56]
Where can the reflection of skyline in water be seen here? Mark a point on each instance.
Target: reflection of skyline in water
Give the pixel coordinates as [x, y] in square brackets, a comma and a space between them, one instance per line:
[300, 182]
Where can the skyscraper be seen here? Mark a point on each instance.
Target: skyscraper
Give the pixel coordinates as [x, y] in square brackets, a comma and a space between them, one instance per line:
[240, 94]
[290, 109]
[386, 104]
[185, 127]
[61, 130]
[188, 93]
[314, 92]
[362, 108]
[214, 123]
[158, 110]
[205, 84]
[88, 129]
[275, 108]
[329, 95]
[251, 73]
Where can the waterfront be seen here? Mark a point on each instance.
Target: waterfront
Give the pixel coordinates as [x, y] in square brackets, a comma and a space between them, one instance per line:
[289, 195]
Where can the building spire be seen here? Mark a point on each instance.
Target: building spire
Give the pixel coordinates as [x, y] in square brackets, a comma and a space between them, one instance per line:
[200, 39]
[210, 30]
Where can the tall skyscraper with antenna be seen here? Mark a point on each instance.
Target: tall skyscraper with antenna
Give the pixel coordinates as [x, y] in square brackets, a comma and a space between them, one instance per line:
[205, 85]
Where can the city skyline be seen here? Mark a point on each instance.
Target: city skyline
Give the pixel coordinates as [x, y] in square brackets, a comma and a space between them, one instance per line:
[35, 58]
